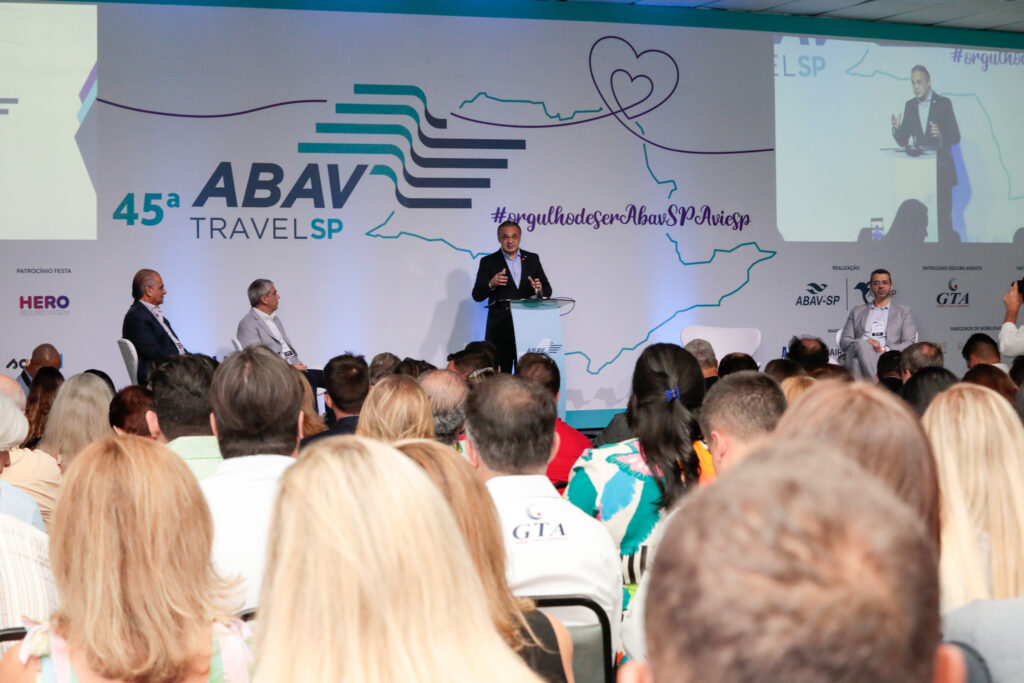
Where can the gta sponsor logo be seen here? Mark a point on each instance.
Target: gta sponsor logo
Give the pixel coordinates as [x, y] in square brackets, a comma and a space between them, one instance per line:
[953, 296]
[816, 296]
[44, 304]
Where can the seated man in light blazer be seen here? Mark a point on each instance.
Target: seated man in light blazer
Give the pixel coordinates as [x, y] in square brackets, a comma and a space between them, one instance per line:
[874, 328]
[261, 326]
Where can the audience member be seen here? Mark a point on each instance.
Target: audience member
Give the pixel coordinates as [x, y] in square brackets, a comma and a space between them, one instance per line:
[80, 415]
[795, 567]
[1017, 371]
[808, 352]
[446, 391]
[181, 411]
[925, 385]
[995, 379]
[347, 381]
[146, 326]
[467, 361]
[629, 486]
[369, 578]
[12, 390]
[979, 446]
[542, 641]
[411, 367]
[734, 362]
[874, 428]
[1019, 403]
[838, 373]
[990, 627]
[396, 409]
[382, 365]
[312, 421]
[13, 501]
[139, 600]
[26, 580]
[781, 368]
[257, 416]
[739, 410]
[920, 355]
[981, 349]
[43, 356]
[1011, 338]
[705, 355]
[794, 387]
[128, 408]
[541, 368]
[30, 471]
[553, 547]
[889, 371]
[103, 376]
[40, 401]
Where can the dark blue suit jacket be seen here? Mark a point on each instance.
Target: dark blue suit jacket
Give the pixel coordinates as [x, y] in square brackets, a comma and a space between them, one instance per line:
[941, 114]
[151, 340]
[492, 264]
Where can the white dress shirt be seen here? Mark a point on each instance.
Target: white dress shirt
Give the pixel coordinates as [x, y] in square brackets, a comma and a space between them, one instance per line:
[876, 323]
[286, 352]
[159, 315]
[26, 581]
[241, 497]
[1011, 340]
[554, 548]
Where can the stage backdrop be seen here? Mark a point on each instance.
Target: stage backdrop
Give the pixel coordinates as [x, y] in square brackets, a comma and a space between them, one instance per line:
[666, 174]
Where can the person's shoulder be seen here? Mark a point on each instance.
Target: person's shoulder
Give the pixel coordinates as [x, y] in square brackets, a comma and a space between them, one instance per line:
[937, 98]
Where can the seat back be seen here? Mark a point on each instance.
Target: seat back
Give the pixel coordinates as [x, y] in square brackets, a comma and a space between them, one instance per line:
[237, 344]
[131, 359]
[592, 656]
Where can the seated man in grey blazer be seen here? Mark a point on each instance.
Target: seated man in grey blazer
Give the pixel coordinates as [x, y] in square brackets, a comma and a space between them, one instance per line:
[261, 326]
[874, 328]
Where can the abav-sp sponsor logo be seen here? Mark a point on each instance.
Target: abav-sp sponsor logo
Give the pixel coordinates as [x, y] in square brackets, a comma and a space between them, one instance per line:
[953, 296]
[816, 295]
[44, 304]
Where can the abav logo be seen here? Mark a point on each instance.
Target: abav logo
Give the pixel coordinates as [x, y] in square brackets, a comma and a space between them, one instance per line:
[953, 297]
[545, 346]
[816, 296]
[44, 304]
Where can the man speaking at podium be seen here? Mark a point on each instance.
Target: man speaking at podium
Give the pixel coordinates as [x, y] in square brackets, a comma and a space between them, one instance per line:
[928, 121]
[509, 273]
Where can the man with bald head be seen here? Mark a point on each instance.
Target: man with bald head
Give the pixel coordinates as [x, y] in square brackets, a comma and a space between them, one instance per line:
[145, 325]
[43, 356]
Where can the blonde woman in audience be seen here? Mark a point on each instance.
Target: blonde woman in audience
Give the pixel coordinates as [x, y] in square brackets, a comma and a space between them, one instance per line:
[80, 415]
[312, 421]
[396, 408]
[979, 444]
[139, 598]
[369, 579]
[871, 425]
[542, 641]
[794, 387]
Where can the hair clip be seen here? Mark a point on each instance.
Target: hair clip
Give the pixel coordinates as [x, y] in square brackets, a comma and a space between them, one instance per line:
[671, 393]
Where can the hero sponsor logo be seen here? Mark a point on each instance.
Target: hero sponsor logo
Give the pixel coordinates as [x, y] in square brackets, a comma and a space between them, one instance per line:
[44, 304]
[816, 296]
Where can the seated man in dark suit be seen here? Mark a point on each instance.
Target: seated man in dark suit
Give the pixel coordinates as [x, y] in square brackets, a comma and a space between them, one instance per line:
[348, 382]
[509, 273]
[145, 325]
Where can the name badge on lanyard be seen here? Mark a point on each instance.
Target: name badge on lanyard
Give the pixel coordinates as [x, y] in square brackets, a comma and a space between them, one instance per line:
[288, 355]
[877, 329]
